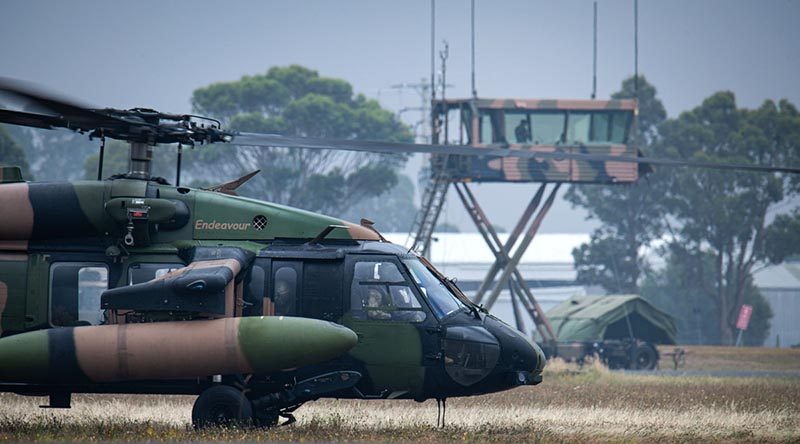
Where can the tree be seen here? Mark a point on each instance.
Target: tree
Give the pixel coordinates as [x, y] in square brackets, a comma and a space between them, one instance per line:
[724, 214]
[297, 101]
[681, 289]
[392, 211]
[630, 214]
[53, 154]
[11, 154]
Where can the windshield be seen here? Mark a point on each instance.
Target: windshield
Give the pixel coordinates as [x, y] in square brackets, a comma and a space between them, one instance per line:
[442, 300]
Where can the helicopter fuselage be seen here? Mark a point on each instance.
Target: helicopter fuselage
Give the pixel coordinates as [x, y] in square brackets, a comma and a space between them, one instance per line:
[127, 252]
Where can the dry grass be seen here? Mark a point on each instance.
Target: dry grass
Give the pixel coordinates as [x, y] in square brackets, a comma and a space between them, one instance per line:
[736, 358]
[590, 405]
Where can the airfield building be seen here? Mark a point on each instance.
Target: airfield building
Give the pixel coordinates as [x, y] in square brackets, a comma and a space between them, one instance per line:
[547, 268]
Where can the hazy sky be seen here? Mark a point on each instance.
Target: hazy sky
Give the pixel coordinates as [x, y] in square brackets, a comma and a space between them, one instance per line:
[155, 53]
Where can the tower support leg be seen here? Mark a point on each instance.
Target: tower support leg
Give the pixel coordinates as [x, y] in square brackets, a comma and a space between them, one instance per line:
[479, 217]
[519, 291]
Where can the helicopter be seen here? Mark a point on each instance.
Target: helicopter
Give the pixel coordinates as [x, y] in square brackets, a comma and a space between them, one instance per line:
[131, 285]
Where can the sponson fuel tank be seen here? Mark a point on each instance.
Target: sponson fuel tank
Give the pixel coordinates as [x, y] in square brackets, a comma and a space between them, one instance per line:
[170, 350]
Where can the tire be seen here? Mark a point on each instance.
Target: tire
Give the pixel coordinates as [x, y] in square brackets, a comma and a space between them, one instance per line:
[221, 406]
[644, 358]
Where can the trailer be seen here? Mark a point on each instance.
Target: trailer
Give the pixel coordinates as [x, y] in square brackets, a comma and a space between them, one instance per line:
[632, 354]
[620, 330]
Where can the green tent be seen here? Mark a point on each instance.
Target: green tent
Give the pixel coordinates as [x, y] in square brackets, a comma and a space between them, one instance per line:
[589, 318]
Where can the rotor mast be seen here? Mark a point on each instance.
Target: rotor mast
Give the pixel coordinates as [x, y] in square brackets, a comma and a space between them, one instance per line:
[140, 162]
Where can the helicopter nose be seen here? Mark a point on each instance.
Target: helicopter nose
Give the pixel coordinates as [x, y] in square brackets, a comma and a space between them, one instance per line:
[492, 352]
[522, 359]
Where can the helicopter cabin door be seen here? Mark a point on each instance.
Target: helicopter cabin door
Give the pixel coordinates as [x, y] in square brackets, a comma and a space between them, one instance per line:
[284, 287]
[310, 288]
[391, 321]
[322, 290]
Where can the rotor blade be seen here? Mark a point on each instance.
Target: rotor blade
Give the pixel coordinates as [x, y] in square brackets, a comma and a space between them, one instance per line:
[36, 94]
[29, 119]
[276, 140]
[65, 112]
[702, 164]
[136, 125]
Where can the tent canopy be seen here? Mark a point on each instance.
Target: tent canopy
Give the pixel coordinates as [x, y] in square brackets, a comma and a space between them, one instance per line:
[590, 318]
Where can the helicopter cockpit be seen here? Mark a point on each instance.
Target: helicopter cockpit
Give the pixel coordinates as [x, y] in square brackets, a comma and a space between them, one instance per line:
[381, 291]
[419, 336]
[443, 300]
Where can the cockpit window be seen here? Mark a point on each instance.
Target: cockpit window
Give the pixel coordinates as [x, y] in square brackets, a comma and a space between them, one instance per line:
[380, 292]
[442, 300]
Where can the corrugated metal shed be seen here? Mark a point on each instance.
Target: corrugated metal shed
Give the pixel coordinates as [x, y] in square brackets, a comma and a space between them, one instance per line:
[780, 285]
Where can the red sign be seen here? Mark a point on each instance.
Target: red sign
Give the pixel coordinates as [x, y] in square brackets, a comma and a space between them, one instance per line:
[744, 317]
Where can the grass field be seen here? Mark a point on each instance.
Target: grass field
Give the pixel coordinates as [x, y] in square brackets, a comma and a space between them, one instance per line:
[592, 404]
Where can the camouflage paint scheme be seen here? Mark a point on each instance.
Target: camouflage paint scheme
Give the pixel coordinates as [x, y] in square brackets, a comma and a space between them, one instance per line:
[70, 216]
[220, 239]
[91, 209]
[173, 350]
[402, 368]
[499, 169]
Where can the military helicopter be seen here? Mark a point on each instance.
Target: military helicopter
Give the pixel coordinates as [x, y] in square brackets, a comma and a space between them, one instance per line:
[132, 285]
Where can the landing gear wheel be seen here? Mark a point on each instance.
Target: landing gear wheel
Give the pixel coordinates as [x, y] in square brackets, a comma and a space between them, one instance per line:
[221, 405]
[644, 358]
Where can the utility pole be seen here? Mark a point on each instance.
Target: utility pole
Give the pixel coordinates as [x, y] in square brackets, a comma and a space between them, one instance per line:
[443, 56]
[433, 50]
[594, 55]
[636, 49]
[472, 34]
[422, 130]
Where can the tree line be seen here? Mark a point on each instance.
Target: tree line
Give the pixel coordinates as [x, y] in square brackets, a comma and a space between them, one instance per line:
[712, 229]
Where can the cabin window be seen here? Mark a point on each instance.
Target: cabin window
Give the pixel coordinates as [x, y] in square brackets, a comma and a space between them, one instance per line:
[254, 293]
[547, 128]
[285, 291]
[143, 272]
[442, 300]
[518, 128]
[607, 126]
[578, 128]
[454, 130]
[619, 127]
[322, 290]
[557, 126]
[75, 290]
[601, 122]
[486, 136]
[380, 292]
